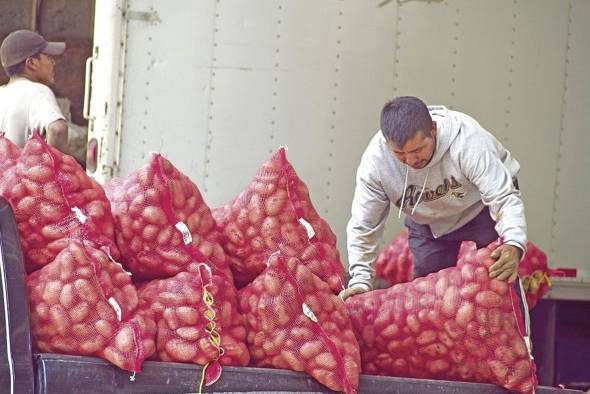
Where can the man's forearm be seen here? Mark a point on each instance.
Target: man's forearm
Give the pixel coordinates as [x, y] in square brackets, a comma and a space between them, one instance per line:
[363, 245]
[57, 135]
[370, 207]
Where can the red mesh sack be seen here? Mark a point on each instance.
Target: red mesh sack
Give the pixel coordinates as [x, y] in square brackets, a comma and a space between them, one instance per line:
[275, 213]
[295, 322]
[162, 223]
[457, 324]
[534, 273]
[197, 318]
[9, 154]
[395, 263]
[532, 270]
[134, 342]
[53, 200]
[83, 303]
[466, 248]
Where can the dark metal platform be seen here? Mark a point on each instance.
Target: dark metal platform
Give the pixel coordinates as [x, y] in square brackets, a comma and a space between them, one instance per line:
[87, 375]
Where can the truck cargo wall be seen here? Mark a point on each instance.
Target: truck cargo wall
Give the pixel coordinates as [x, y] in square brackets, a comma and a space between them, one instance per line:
[218, 85]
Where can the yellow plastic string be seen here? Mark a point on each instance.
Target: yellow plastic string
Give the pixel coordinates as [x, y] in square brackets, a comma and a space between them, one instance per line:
[215, 339]
[210, 314]
[214, 336]
[547, 279]
[526, 283]
[203, 378]
[211, 326]
[207, 297]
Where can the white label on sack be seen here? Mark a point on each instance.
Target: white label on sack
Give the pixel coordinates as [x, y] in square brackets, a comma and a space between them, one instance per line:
[115, 262]
[123, 269]
[116, 307]
[269, 257]
[187, 238]
[79, 215]
[529, 345]
[309, 313]
[308, 228]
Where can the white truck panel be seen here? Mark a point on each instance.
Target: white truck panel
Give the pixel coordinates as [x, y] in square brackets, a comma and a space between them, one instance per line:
[106, 63]
[531, 127]
[219, 85]
[570, 244]
[167, 83]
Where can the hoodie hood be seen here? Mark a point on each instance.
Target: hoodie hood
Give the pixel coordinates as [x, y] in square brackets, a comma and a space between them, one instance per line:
[448, 126]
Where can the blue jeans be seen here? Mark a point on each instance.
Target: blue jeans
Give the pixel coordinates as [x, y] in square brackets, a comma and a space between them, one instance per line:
[433, 254]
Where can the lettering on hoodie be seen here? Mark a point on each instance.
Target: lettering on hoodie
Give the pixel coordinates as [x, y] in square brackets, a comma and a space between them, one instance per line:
[450, 184]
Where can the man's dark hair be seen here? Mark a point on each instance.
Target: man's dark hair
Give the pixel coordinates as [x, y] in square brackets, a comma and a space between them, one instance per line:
[402, 117]
[20, 67]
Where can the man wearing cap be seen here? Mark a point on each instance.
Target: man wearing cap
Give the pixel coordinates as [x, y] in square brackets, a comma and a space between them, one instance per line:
[26, 101]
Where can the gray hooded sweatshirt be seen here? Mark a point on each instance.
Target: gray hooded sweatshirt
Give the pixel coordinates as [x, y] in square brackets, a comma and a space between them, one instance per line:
[469, 169]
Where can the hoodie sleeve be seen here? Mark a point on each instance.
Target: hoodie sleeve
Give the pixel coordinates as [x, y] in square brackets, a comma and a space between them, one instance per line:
[484, 168]
[370, 207]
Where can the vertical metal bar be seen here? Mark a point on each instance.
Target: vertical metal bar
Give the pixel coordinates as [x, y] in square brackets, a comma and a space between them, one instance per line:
[35, 14]
[88, 76]
[210, 91]
[6, 315]
[561, 131]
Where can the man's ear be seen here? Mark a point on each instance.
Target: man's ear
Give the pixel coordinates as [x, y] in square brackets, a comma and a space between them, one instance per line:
[433, 130]
[31, 63]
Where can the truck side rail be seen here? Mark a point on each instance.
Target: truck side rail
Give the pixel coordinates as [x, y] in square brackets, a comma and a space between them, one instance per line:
[16, 363]
[89, 375]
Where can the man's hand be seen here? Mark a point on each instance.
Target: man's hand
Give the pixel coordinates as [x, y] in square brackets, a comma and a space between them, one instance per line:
[506, 268]
[351, 291]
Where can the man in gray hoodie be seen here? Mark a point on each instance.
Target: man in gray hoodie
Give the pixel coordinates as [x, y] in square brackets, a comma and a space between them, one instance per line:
[452, 179]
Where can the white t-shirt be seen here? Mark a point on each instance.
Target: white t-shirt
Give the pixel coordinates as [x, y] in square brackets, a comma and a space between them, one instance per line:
[24, 106]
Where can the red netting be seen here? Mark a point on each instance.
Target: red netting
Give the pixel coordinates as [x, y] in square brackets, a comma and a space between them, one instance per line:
[457, 324]
[395, 262]
[162, 223]
[53, 199]
[83, 303]
[295, 322]
[9, 154]
[133, 343]
[532, 270]
[275, 213]
[466, 248]
[114, 281]
[197, 318]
